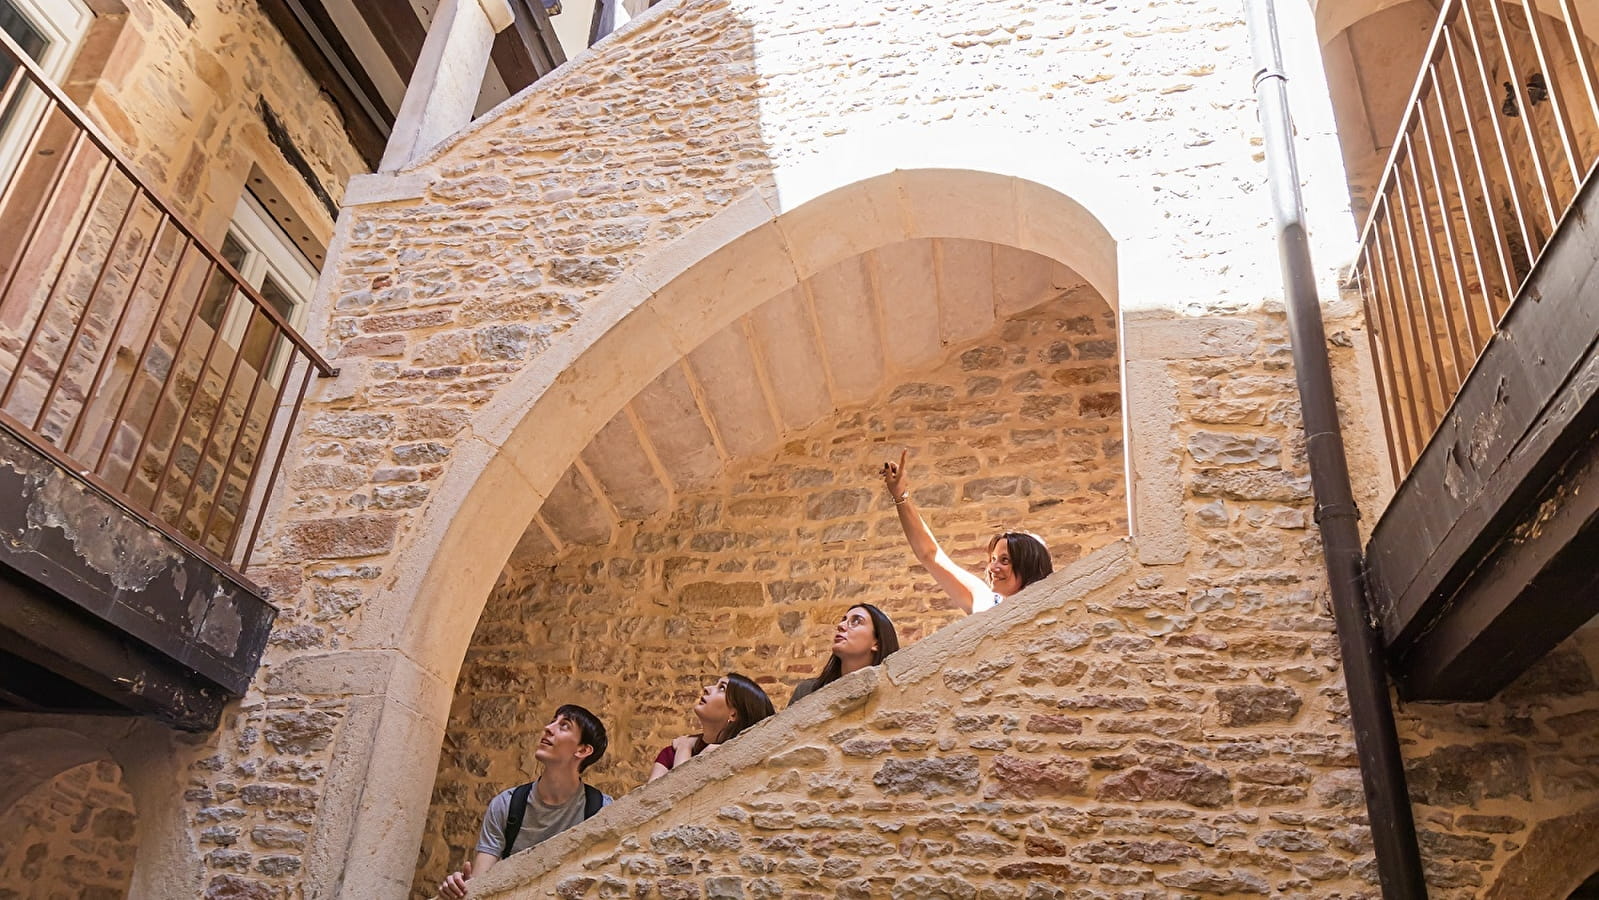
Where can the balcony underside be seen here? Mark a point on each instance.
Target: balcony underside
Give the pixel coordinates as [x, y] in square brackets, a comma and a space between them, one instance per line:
[102, 612]
[1485, 558]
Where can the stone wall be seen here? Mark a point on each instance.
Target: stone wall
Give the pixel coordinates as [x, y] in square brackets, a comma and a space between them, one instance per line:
[1518, 773]
[71, 837]
[1021, 430]
[177, 84]
[1127, 731]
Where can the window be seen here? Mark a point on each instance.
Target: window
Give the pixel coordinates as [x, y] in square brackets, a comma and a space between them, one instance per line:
[49, 32]
[259, 250]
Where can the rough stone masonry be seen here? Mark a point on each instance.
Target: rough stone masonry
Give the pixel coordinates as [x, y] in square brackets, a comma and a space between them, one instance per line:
[1169, 722]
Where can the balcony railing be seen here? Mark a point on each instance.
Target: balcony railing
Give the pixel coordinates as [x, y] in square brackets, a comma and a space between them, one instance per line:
[130, 349]
[1501, 130]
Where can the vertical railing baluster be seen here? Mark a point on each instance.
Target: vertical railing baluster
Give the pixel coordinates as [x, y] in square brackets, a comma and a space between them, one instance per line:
[1414, 381]
[255, 470]
[15, 179]
[169, 380]
[1557, 102]
[49, 297]
[1435, 267]
[144, 355]
[1382, 367]
[1436, 403]
[1512, 182]
[1495, 229]
[116, 332]
[1540, 165]
[219, 495]
[277, 465]
[1579, 52]
[216, 417]
[194, 393]
[1476, 334]
[69, 349]
[1410, 321]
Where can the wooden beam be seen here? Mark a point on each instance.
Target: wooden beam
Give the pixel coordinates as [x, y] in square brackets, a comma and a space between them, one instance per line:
[188, 611]
[315, 40]
[529, 49]
[398, 31]
[1508, 429]
[1536, 588]
[52, 636]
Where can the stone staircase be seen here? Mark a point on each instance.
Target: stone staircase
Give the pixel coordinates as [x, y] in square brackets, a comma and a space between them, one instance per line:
[1112, 732]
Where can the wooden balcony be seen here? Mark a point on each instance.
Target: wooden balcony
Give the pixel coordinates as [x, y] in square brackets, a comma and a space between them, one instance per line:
[1477, 271]
[146, 397]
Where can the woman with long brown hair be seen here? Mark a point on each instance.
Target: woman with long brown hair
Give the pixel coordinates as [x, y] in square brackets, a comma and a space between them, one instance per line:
[863, 637]
[725, 708]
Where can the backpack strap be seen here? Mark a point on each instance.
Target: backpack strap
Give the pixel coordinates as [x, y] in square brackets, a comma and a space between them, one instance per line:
[513, 818]
[592, 800]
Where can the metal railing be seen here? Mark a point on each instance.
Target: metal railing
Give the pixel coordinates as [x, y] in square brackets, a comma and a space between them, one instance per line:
[1500, 132]
[130, 348]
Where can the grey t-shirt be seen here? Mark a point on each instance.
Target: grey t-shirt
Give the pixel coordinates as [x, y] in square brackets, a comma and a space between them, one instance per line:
[538, 823]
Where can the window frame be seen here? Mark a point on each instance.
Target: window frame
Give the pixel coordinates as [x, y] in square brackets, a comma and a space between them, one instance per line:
[64, 24]
[269, 252]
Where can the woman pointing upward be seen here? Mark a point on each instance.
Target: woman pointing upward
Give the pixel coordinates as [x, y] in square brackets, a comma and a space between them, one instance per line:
[1015, 558]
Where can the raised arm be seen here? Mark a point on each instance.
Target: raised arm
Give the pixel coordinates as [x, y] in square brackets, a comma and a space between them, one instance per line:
[962, 586]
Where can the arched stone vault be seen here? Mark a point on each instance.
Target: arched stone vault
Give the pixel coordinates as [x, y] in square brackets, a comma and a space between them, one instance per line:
[648, 321]
[652, 316]
[834, 340]
[37, 749]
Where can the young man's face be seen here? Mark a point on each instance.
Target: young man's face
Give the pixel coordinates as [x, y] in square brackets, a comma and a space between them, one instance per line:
[562, 744]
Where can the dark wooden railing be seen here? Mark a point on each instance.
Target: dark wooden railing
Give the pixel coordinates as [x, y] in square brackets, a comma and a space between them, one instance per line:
[130, 349]
[1501, 130]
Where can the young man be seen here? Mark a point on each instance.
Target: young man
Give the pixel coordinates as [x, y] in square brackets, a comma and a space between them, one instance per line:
[520, 817]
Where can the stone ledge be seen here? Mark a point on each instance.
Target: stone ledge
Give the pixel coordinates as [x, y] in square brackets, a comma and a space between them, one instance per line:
[961, 639]
[383, 187]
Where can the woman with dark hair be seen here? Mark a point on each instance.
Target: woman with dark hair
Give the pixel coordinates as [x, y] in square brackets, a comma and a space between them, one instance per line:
[1015, 558]
[725, 708]
[864, 637]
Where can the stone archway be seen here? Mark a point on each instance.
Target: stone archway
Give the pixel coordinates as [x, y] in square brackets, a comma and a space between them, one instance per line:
[815, 214]
[133, 759]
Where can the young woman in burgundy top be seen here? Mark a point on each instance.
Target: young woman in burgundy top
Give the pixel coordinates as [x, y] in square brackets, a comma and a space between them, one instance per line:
[725, 708]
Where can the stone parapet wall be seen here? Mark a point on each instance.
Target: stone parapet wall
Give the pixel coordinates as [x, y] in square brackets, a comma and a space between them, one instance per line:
[1021, 430]
[1058, 746]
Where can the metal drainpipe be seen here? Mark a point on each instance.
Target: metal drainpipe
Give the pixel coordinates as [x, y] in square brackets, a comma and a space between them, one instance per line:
[1382, 769]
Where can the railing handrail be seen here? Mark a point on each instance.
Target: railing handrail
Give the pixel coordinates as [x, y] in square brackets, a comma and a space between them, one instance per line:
[196, 471]
[70, 465]
[1464, 209]
[82, 121]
